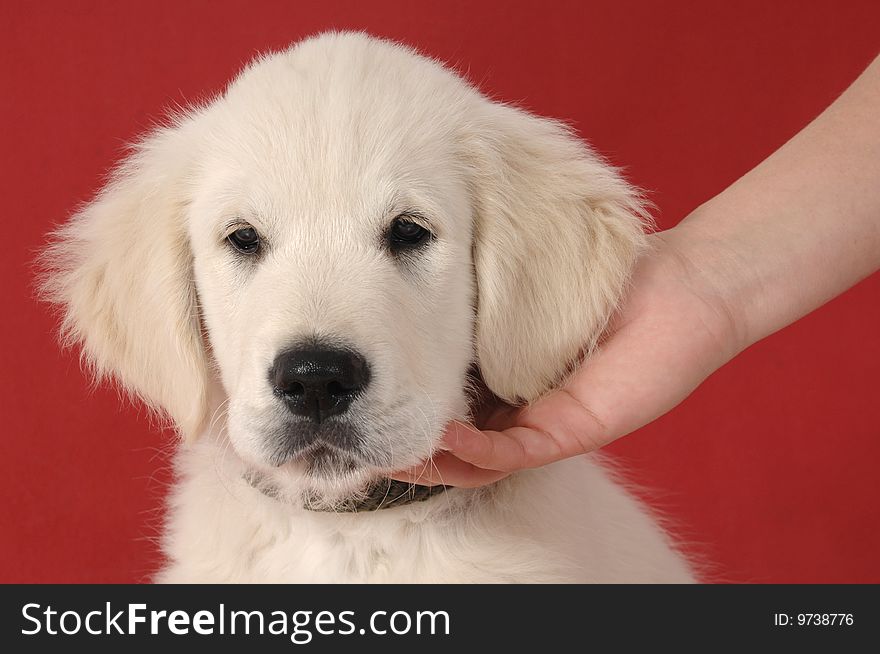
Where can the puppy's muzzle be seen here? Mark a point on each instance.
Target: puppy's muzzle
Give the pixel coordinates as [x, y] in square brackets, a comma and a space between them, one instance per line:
[318, 382]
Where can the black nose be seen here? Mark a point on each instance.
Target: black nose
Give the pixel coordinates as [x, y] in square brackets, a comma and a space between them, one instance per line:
[318, 382]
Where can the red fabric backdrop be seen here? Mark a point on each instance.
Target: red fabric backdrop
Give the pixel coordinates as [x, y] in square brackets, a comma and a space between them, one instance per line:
[770, 468]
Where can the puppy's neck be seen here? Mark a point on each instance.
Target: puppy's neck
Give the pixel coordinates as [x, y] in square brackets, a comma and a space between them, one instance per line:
[382, 494]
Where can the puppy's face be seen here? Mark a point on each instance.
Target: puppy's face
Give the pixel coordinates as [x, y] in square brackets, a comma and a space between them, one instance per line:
[331, 231]
[335, 241]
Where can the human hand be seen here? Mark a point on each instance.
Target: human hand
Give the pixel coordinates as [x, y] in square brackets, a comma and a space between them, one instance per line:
[674, 328]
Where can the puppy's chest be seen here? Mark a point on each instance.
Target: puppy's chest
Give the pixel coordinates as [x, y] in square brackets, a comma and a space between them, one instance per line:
[223, 530]
[309, 550]
[379, 549]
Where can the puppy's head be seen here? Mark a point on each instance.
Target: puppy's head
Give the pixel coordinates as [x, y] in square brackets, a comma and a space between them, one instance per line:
[334, 242]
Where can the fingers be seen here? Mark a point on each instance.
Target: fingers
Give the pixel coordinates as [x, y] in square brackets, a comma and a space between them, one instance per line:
[445, 468]
[557, 427]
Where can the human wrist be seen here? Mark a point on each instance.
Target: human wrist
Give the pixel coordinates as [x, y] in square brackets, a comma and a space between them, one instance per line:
[719, 272]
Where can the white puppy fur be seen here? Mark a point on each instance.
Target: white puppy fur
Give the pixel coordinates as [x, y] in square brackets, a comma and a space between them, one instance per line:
[320, 148]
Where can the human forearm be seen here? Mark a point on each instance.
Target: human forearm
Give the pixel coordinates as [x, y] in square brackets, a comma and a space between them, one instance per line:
[801, 227]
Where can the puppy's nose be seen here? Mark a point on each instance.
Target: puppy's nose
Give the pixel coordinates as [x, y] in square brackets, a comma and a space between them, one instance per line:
[319, 382]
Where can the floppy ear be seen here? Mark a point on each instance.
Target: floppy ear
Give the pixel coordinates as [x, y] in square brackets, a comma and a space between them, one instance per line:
[557, 232]
[120, 270]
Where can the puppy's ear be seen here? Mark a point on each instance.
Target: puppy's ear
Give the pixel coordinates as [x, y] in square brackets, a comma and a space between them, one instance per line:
[120, 270]
[557, 232]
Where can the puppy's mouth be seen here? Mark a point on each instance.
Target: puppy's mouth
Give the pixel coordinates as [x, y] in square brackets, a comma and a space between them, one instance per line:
[324, 450]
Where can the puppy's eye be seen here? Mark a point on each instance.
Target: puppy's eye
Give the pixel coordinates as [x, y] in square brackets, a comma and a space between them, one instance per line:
[245, 239]
[406, 234]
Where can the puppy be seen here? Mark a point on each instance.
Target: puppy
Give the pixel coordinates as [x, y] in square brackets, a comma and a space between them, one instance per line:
[308, 274]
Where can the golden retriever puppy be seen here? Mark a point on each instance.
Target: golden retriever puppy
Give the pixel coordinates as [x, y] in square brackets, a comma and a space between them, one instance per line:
[310, 273]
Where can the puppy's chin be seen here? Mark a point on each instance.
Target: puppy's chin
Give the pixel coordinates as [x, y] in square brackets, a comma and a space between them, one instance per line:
[321, 472]
[324, 468]
[320, 478]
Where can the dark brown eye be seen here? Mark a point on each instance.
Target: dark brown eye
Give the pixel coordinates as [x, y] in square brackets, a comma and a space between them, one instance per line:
[245, 240]
[406, 234]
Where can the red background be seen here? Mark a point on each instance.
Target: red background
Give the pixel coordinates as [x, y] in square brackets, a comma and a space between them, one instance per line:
[770, 468]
